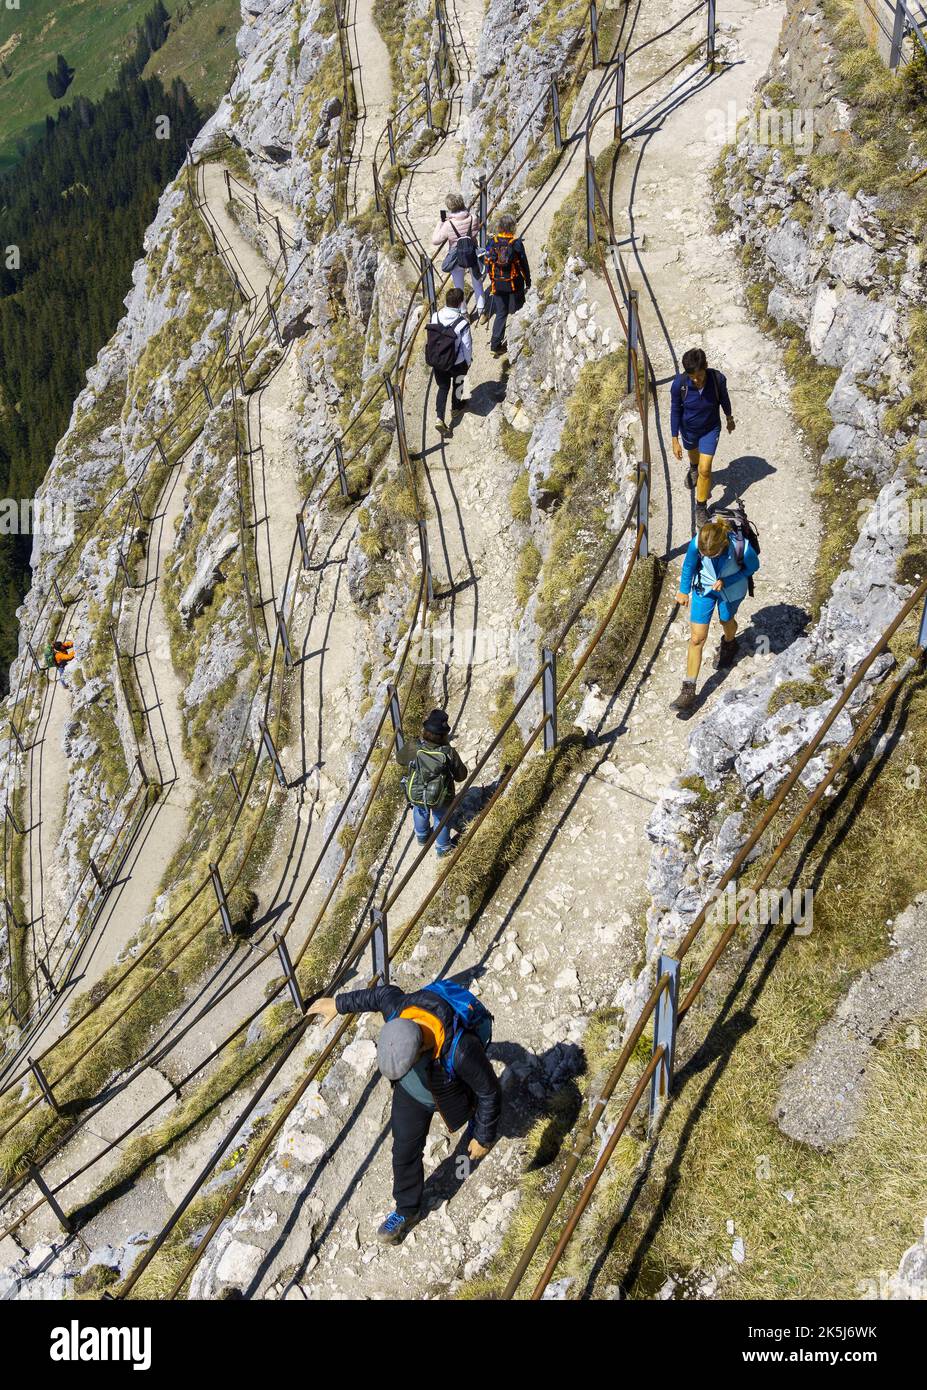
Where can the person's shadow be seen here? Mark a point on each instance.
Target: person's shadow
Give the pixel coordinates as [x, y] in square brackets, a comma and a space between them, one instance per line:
[535, 1086]
[484, 397]
[738, 476]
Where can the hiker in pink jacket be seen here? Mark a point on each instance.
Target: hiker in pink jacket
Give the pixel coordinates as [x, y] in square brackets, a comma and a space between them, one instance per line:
[460, 229]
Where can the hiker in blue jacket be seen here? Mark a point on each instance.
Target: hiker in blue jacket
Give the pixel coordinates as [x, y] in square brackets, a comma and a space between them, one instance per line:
[697, 397]
[436, 1061]
[715, 574]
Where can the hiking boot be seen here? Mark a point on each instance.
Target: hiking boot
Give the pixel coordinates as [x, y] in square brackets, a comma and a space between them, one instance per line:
[443, 853]
[485, 316]
[691, 477]
[701, 515]
[443, 428]
[686, 697]
[727, 653]
[395, 1228]
[501, 350]
[422, 839]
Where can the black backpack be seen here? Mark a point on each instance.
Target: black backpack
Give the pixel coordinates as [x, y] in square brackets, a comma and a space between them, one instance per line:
[430, 781]
[441, 344]
[740, 530]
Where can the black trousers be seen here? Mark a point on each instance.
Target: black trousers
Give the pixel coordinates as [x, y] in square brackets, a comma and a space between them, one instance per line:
[409, 1122]
[503, 303]
[443, 380]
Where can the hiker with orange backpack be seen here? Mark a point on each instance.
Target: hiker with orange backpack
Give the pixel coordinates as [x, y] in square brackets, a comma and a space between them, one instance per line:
[432, 1047]
[58, 654]
[506, 260]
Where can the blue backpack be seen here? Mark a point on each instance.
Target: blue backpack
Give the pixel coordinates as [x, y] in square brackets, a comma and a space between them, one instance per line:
[470, 1016]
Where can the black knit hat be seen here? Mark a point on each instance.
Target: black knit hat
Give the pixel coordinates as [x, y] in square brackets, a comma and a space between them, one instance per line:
[437, 723]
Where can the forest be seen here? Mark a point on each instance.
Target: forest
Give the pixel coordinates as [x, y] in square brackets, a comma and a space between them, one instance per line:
[72, 218]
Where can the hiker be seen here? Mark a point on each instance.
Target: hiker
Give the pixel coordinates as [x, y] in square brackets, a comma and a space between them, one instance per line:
[432, 1047]
[509, 277]
[434, 766]
[697, 396]
[716, 573]
[460, 228]
[449, 352]
[58, 654]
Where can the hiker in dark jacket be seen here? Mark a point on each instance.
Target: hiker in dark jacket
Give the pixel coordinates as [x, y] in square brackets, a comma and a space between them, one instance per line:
[697, 396]
[434, 766]
[434, 1065]
[506, 260]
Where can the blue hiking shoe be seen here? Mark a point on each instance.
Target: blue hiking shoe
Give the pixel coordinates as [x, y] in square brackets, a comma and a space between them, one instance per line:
[395, 1228]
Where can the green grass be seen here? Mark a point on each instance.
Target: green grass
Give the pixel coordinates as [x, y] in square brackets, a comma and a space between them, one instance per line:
[96, 36]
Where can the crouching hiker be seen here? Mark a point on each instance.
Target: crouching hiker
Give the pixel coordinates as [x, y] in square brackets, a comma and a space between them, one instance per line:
[432, 1047]
[58, 654]
[434, 766]
[716, 573]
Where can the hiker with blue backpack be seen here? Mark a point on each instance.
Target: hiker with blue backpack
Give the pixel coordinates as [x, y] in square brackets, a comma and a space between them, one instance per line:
[697, 397]
[434, 766]
[432, 1047]
[717, 572]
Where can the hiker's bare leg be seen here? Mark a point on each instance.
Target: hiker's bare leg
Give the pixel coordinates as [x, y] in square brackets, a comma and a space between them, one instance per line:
[703, 486]
[729, 629]
[697, 634]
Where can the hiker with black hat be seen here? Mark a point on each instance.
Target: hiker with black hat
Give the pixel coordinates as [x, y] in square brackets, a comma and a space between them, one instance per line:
[432, 1047]
[434, 766]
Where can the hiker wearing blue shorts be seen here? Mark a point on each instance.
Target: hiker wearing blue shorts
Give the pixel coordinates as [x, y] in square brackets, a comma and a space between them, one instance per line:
[713, 576]
[697, 397]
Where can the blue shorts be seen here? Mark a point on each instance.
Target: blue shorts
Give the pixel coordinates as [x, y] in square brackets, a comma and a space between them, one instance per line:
[707, 444]
[701, 607]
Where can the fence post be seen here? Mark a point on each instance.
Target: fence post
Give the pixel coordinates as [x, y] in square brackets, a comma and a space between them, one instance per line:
[272, 753]
[590, 200]
[11, 915]
[619, 98]
[400, 418]
[13, 821]
[138, 506]
[395, 714]
[426, 90]
[380, 944]
[391, 138]
[234, 781]
[35, 659]
[224, 914]
[58, 592]
[922, 635]
[555, 109]
[594, 32]
[303, 543]
[633, 336]
[284, 638]
[710, 54]
[376, 188]
[125, 568]
[208, 394]
[388, 209]
[664, 1032]
[428, 279]
[643, 510]
[95, 870]
[66, 1224]
[290, 973]
[426, 560]
[141, 769]
[257, 208]
[342, 474]
[160, 448]
[273, 314]
[15, 732]
[549, 698]
[228, 185]
[484, 206]
[43, 1085]
[280, 231]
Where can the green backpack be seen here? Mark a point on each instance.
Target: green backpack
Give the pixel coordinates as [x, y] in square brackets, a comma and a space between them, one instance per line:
[48, 656]
[428, 782]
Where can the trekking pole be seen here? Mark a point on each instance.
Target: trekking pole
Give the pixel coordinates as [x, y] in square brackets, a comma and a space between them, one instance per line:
[555, 110]
[710, 55]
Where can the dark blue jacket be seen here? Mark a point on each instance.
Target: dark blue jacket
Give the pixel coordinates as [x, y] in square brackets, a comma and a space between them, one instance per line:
[701, 410]
[474, 1078]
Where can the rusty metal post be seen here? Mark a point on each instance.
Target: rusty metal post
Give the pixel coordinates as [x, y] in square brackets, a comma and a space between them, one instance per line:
[555, 112]
[290, 974]
[380, 944]
[664, 1035]
[549, 698]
